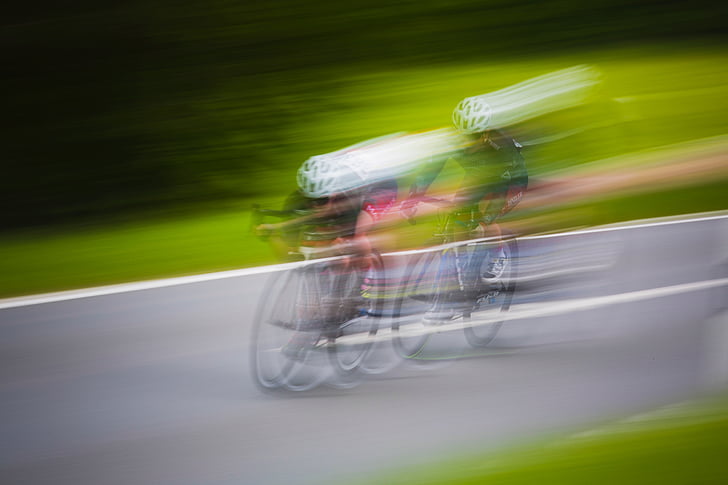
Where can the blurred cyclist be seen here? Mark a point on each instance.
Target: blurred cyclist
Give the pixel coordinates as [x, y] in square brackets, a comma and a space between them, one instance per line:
[341, 205]
[340, 202]
[494, 169]
[494, 173]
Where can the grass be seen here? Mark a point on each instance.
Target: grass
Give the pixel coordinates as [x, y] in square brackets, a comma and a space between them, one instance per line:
[651, 98]
[97, 256]
[679, 448]
[656, 97]
[36, 262]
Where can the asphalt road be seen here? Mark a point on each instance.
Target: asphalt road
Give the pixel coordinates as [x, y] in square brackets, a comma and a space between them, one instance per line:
[154, 387]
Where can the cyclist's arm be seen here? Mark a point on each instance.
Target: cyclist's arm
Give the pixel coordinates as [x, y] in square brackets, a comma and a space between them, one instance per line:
[286, 225]
[425, 178]
[313, 216]
[420, 186]
[376, 207]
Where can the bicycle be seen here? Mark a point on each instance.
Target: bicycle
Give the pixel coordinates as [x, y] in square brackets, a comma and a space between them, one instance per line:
[460, 284]
[316, 321]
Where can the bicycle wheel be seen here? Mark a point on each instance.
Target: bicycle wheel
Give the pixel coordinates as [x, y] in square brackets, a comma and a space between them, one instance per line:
[497, 281]
[358, 307]
[425, 285]
[378, 355]
[288, 339]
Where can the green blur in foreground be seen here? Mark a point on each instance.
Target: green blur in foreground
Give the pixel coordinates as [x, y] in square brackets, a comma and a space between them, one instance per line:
[676, 450]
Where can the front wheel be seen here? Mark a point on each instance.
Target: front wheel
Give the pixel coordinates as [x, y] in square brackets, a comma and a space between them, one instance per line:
[358, 298]
[288, 342]
[497, 280]
[423, 287]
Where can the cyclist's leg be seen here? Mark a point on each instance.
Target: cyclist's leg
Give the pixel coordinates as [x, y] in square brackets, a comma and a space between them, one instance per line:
[469, 199]
[496, 209]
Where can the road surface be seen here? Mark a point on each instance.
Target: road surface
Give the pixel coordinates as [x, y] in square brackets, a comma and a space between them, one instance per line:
[154, 387]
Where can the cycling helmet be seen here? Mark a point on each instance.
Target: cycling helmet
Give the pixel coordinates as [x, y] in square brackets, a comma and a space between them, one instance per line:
[472, 115]
[323, 175]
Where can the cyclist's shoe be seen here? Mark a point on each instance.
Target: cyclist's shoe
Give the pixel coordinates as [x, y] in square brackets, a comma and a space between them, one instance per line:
[443, 312]
[436, 315]
[496, 266]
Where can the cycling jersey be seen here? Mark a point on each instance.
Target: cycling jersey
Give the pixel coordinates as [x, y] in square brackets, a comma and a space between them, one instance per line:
[380, 198]
[493, 168]
[340, 218]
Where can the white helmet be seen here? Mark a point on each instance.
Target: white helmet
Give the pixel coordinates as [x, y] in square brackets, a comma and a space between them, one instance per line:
[323, 175]
[472, 115]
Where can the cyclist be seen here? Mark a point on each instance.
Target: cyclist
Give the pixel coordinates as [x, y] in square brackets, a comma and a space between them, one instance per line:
[494, 172]
[355, 188]
[340, 203]
[493, 167]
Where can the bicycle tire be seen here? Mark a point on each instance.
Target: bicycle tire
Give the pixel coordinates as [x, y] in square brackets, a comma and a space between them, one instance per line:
[419, 290]
[379, 357]
[486, 321]
[360, 311]
[285, 351]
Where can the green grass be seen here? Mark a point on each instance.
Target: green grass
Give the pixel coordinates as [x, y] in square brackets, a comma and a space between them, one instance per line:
[35, 263]
[651, 98]
[703, 198]
[52, 261]
[687, 449]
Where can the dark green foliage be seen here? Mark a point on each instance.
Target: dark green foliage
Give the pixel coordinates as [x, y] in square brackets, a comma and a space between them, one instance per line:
[121, 107]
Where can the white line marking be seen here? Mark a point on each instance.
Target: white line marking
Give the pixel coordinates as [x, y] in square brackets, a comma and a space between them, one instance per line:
[662, 221]
[184, 280]
[539, 310]
[629, 225]
[138, 286]
[561, 272]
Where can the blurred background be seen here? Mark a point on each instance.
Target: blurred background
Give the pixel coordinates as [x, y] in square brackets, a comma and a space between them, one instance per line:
[138, 135]
[147, 128]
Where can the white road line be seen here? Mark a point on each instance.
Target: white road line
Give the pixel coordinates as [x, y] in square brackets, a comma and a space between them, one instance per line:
[632, 225]
[184, 280]
[137, 286]
[661, 221]
[539, 310]
[533, 310]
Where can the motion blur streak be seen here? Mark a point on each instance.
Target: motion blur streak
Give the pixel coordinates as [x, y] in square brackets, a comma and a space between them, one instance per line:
[146, 137]
[399, 155]
[542, 95]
